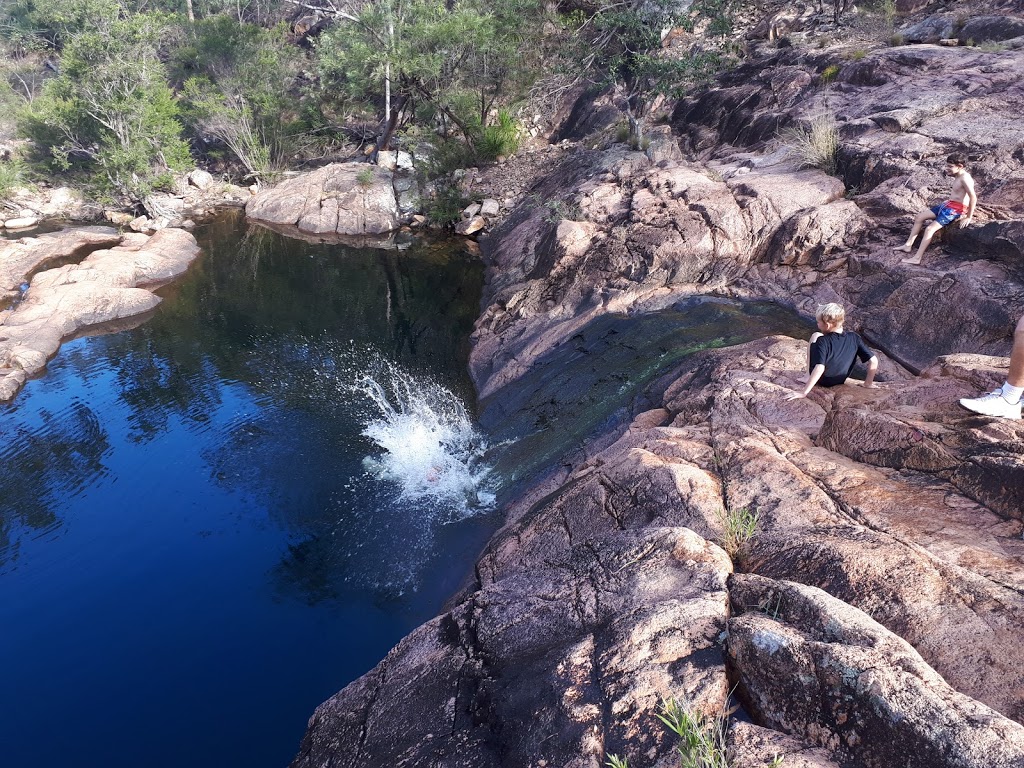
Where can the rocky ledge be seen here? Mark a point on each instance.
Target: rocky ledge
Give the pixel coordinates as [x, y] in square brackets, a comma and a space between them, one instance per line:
[874, 618]
[881, 628]
[46, 306]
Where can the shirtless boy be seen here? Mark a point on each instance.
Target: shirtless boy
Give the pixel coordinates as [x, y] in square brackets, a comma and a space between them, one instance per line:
[1004, 402]
[961, 196]
[833, 352]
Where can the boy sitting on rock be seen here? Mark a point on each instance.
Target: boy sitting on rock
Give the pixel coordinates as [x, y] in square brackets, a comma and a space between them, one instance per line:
[962, 197]
[833, 352]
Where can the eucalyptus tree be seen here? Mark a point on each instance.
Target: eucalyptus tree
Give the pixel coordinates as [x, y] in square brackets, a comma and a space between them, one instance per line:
[456, 57]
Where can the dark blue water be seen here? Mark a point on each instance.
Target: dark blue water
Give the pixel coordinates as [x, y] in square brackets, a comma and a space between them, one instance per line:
[192, 556]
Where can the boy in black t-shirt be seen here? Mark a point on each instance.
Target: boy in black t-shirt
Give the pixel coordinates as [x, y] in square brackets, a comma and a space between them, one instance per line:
[833, 353]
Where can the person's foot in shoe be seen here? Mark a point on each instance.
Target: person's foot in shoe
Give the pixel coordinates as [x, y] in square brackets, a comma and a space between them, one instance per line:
[992, 404]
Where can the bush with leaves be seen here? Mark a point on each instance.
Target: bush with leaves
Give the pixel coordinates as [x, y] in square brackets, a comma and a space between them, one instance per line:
[236, 81]
[621, 42]
[110, 114]
[448, 62]
[51, 24]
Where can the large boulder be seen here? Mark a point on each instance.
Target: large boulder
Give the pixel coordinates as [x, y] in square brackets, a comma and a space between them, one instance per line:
[811, 665]
[341, 198]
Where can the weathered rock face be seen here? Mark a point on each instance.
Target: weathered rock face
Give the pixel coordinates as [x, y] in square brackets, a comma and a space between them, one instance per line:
[107, 285]
[575, 631]
[602, 592]
[810, 664]
[341, 198]
[20, 259]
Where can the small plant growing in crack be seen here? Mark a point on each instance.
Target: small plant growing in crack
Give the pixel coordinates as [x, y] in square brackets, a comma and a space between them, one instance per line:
[739, 526]
[701, 737]
[772, 605]
[365, 177]
[614, 761]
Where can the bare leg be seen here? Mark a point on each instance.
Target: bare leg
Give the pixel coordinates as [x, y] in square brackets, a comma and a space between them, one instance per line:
[926, 238]
[1015, 378]
[922, 217]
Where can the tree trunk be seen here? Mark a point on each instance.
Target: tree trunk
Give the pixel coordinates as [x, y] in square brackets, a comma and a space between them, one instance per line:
[389, 129]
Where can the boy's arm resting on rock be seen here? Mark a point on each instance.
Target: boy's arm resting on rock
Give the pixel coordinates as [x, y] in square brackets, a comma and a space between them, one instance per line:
[972, 201]
[816, 372]
[869, 378]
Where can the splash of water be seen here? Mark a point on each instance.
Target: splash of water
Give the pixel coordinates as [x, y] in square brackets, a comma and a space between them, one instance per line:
[430, 449]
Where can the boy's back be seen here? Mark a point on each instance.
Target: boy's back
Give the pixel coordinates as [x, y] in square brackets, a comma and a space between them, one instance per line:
[838, 352]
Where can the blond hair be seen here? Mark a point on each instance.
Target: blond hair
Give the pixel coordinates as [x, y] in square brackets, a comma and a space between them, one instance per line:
[831, 314]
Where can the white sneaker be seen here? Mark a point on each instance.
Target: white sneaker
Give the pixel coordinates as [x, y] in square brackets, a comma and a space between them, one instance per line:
[992, 404]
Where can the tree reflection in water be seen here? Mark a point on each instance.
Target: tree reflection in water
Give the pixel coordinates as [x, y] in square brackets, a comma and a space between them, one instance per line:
[42, 462]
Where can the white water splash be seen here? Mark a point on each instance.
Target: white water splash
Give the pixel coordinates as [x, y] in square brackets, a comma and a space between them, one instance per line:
[430, 449]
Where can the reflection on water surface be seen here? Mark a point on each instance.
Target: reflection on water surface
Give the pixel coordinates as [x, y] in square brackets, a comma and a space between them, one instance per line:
[192, 555]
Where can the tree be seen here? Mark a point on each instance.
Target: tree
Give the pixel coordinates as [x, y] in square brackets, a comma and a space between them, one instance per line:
[237, 87]
[110, 112]
[457, 57]
[621, 42]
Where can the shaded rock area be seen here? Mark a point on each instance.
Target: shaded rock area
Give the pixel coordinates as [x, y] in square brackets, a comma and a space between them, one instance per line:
[109, 284]
[340, 198]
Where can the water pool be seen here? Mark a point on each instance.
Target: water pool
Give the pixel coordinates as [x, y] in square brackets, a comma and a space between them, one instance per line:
[193, 554]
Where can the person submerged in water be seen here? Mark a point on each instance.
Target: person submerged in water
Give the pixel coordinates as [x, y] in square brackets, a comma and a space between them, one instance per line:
[945, 213]
[832, 352]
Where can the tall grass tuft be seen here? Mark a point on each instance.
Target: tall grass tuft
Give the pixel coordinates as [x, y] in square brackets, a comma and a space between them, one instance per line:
[816, 146]
[701, 738]
[739, 526]
[501, 139]
[12, 175]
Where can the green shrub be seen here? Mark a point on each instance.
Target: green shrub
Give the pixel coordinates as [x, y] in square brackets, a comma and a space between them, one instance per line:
[365, 177]
[445, 207]
[816, 146]
[739, 526]
[701, 738]
[236, 87]
[501, 139]
[858, 54]
[829, 74]
[560, 209]
[110, 115]
[13, 174]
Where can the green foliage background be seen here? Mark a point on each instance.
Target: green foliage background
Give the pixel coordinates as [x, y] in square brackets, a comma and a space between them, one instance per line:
[118, 95]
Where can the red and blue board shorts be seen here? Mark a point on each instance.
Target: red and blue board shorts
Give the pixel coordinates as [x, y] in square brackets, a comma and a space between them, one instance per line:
[947, 213]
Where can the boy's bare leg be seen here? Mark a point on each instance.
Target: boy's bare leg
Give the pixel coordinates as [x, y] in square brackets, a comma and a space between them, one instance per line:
[919, 221]
[1015, 378]
[926, 239]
